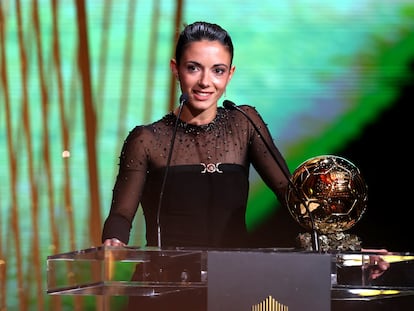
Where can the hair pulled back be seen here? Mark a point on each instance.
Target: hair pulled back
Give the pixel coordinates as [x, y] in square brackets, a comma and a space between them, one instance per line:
[199, 31]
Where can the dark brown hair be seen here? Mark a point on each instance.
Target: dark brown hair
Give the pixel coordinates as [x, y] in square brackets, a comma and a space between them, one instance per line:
[198, 31]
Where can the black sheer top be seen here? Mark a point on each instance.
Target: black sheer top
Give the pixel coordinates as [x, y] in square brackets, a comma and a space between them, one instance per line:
[205, 195]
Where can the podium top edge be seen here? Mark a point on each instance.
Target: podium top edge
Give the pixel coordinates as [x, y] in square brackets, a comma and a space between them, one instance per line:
[190, 250]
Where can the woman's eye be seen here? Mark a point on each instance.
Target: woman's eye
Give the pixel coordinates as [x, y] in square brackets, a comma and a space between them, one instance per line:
[191, 68]
[219, 71]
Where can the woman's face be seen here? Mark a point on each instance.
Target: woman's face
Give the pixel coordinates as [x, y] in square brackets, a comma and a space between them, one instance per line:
[204, 73]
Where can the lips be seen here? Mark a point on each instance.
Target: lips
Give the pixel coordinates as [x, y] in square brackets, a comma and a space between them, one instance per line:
[201, 95]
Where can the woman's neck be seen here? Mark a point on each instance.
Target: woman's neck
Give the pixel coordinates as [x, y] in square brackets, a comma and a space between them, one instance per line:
[196, 117]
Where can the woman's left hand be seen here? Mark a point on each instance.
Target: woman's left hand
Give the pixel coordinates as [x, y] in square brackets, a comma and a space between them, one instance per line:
[377, 264]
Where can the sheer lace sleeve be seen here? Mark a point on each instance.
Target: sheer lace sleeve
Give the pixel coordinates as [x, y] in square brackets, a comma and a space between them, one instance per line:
[270, 165]
[129, 185]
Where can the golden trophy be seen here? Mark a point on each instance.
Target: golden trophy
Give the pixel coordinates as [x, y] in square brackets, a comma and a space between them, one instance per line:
[327, 196]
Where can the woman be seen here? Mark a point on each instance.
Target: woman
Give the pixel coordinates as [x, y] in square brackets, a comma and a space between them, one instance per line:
[204, 198]
[189, 170]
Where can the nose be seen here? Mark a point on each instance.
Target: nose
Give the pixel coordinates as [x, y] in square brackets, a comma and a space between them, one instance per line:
[204, 79]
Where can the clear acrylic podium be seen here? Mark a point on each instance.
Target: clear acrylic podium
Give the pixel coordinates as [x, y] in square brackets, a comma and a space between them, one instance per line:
[234, 279]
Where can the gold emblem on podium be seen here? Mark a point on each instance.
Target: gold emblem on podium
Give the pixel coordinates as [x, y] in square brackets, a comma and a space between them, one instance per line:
[270, 304]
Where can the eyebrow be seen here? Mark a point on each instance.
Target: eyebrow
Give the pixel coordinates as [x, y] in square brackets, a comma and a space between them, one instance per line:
[200, 65]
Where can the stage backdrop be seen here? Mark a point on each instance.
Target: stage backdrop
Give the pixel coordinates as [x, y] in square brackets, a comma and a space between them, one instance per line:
[76, 76]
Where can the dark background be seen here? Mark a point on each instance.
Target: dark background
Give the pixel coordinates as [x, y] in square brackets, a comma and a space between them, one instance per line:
[383, 154]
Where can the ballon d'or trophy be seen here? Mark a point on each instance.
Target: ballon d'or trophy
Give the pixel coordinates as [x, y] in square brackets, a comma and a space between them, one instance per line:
[327, 196]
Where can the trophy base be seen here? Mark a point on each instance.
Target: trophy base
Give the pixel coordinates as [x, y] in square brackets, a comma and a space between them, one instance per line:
[330, 242]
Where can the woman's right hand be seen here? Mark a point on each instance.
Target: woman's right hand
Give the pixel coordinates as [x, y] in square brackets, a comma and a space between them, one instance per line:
[113, 242]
